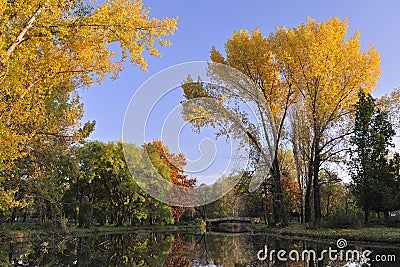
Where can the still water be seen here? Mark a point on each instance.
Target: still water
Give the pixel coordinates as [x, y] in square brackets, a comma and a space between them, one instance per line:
[179, 249]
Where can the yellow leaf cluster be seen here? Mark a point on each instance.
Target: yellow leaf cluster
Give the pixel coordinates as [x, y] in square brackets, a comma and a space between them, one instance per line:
[49, 48]
[312, 72]
[326, 68]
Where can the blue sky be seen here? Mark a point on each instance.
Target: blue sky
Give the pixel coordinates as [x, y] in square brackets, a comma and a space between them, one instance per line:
[203, 24]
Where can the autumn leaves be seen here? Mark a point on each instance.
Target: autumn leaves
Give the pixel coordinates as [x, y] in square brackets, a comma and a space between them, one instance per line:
[310, 76]
[50, 48]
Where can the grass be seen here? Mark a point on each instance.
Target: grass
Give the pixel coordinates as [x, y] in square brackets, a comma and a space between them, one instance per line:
[23, 230]
[125, 229]
[364, 234]
[376, 234]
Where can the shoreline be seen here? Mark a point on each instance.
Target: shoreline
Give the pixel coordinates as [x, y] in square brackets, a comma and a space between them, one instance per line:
[380, 235]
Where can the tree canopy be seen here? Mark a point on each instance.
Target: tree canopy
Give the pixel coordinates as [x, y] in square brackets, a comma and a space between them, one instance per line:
[48, 49]
[312, 72]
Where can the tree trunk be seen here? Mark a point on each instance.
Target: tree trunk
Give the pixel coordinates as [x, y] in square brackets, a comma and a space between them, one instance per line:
[264, 208]
[386, 214]
[299, 180]
[307, 207]
[203, 211]
[317, 196]
[13, 216]
[120, 220]
[85, 215]
[328, 204]
[301, 209]
[280, 216]
[25, 215]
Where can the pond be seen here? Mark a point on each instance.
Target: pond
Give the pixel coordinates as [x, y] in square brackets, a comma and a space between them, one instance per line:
[176, 249]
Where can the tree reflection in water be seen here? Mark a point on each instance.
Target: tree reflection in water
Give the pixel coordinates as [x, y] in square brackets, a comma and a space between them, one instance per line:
[170, 250]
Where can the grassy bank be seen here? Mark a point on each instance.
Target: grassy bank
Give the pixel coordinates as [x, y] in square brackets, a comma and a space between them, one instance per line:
[364, 234]
[24, 231]
[136, 229]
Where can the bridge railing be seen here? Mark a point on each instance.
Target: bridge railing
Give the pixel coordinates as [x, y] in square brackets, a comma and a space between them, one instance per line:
[232, 218]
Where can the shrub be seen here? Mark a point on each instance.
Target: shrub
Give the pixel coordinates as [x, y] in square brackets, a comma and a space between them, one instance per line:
[393, 221]
[343, 220]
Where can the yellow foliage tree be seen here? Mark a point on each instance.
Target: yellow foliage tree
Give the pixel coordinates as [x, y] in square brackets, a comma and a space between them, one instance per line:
[328, 71]
[312, 72]
[252, 55]
[50, 48]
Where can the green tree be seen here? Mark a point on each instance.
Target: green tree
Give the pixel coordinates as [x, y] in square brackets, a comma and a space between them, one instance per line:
[106, 187]
[373, 178]
[40, 179]
[332, 194]
[106, 184]
[170, 167]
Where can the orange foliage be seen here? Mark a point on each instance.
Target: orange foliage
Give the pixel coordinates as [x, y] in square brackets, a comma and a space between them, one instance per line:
[175, 163]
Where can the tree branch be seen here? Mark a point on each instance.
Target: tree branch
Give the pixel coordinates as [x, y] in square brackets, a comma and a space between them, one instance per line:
[21, 35]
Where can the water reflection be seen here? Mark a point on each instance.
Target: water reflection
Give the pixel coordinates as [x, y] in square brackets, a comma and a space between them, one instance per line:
[171, 250]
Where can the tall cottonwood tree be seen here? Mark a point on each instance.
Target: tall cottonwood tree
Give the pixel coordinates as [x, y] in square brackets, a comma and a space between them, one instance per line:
[312, 69]
[327, 70]
[50, 48]
[251, 54]
[300, 137]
